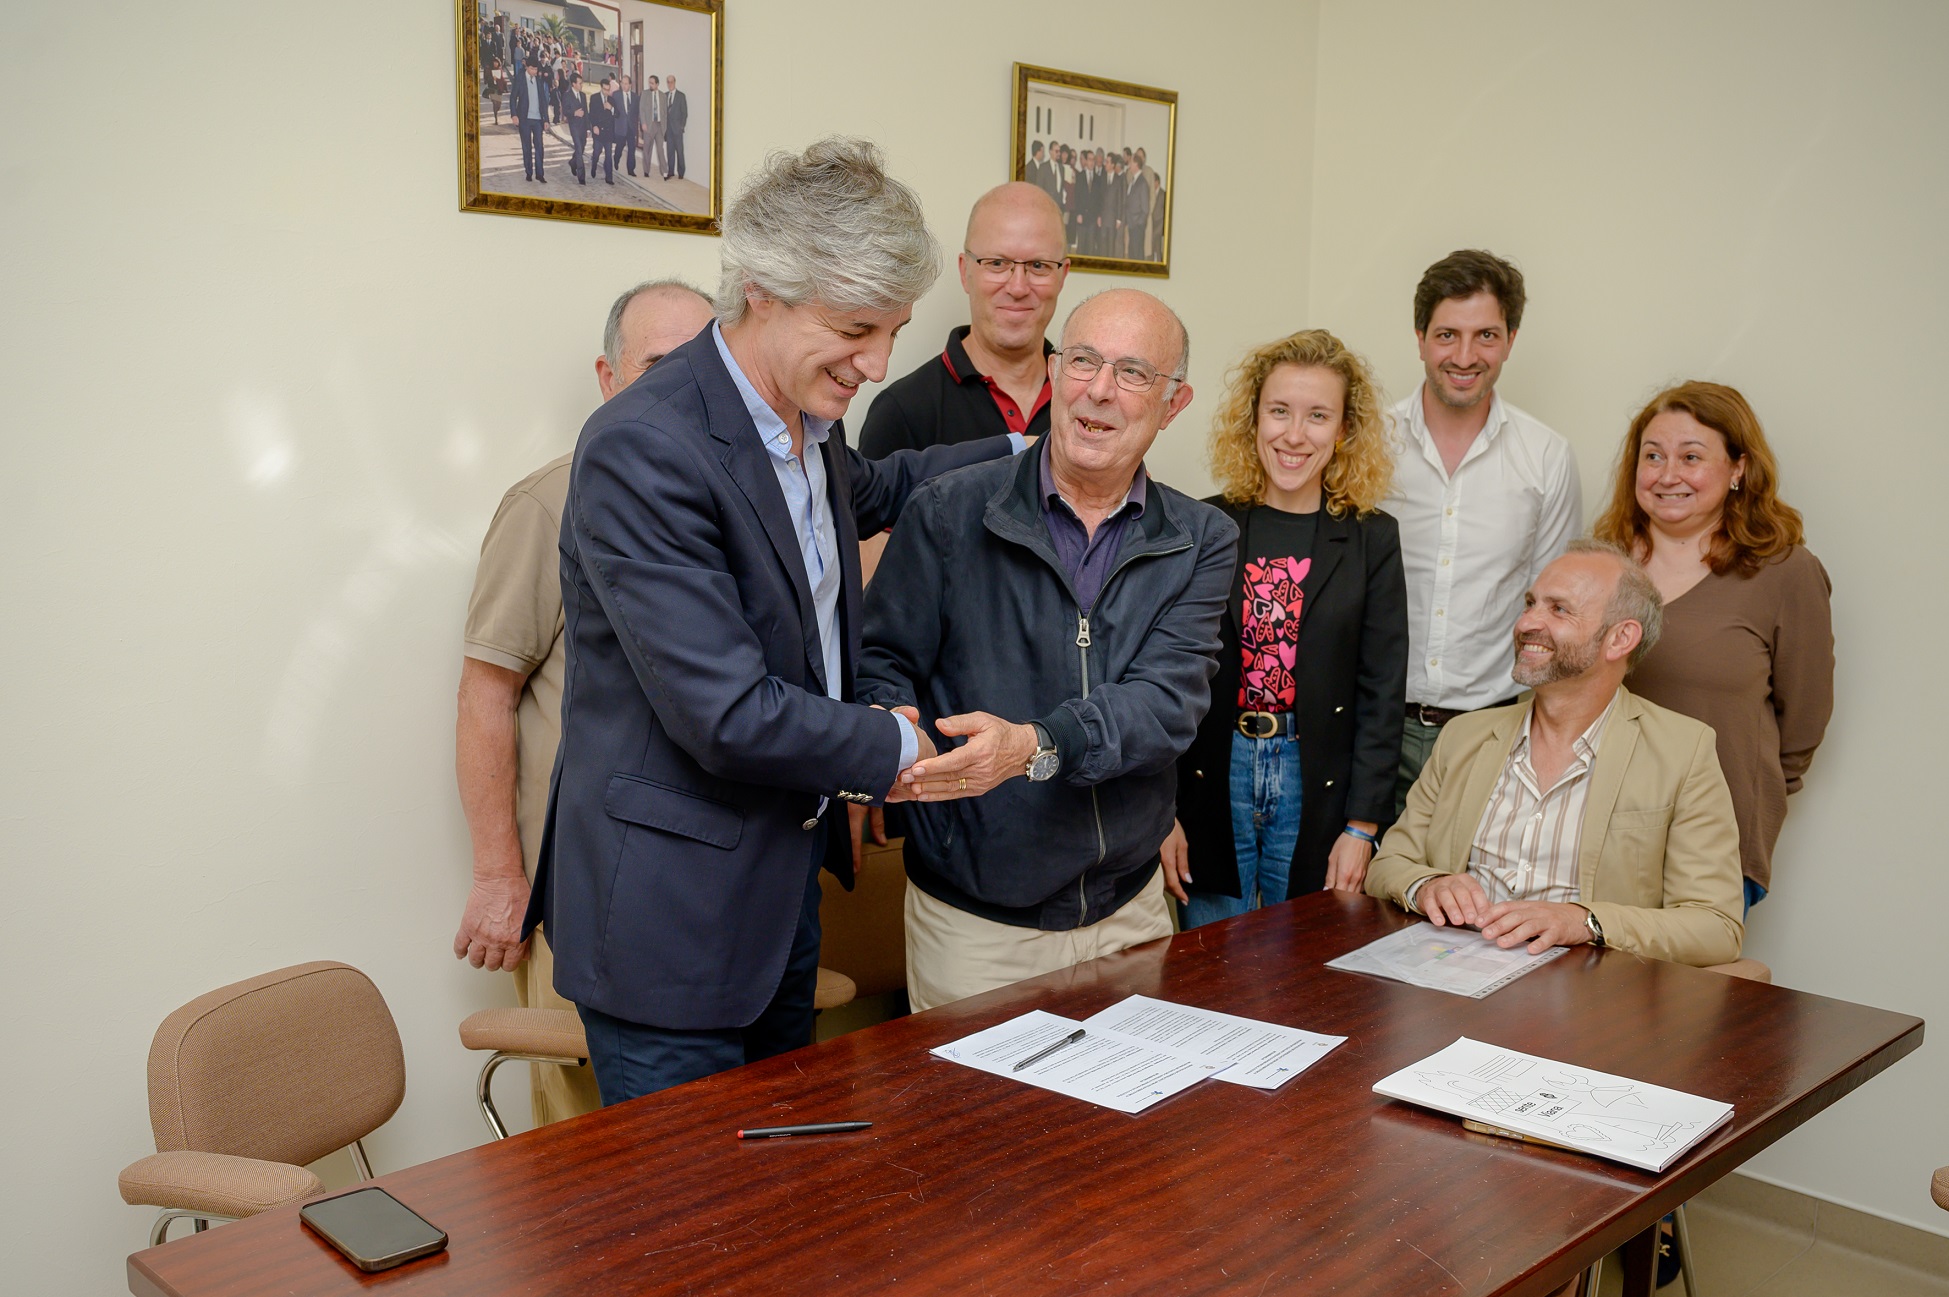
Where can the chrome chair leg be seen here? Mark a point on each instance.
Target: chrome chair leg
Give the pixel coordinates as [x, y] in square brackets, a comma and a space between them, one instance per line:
[359, 1163]
[483, 1089]
[1682, 1236]
[159, 1232]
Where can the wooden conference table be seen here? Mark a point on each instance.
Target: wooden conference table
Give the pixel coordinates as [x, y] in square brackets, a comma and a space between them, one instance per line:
[971, 1183]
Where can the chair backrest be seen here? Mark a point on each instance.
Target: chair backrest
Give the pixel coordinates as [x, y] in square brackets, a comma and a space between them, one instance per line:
[286, 1067]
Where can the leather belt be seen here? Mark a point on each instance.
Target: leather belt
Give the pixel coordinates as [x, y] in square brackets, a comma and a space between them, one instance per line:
[1440, 716]
[1265, 725]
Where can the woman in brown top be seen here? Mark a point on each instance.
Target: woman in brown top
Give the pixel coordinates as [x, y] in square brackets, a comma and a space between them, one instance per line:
[1748, 645]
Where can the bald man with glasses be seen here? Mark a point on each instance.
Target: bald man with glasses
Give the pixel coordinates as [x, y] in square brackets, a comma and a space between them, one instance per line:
[992, 377]
[1057, 618]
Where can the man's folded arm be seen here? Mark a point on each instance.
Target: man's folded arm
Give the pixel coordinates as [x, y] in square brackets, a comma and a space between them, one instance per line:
[1402, 858]
[1143, 721]
[647, 536]
[881, 486]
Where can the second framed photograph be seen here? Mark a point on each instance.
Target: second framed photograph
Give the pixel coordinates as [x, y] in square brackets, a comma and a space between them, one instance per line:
[1106, 151]
[593, 110]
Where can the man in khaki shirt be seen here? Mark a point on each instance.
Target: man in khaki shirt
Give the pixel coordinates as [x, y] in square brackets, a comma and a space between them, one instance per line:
[511, 688]
[1582, 814]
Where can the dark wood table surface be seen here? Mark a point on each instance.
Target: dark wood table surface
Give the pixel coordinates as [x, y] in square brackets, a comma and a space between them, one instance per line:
[972, 1183]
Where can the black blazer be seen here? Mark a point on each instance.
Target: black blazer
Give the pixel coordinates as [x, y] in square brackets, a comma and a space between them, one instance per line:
[543, 91]
[602, 114]
[676, 113]
[1349, 705]
[697, 737]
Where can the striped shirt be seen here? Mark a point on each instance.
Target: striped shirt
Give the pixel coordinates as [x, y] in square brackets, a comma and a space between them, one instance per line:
[1525, 848]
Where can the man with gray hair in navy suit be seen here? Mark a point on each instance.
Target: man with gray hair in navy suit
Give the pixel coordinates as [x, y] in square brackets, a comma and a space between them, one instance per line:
[711, 597]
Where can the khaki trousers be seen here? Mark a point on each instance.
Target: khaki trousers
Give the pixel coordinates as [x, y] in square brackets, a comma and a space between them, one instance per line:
[559, 1092]
[952, 954]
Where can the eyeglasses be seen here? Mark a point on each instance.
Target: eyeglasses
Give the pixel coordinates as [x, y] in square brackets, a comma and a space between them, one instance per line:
[1003, 267]
[1081, 363]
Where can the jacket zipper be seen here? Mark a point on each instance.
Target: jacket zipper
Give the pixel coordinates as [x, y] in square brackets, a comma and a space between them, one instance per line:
[1096, 810]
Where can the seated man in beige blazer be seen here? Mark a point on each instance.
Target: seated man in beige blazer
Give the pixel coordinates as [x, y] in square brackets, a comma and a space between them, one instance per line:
[1581, 813]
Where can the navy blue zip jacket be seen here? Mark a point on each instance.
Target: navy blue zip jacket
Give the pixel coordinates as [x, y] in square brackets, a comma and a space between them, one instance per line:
[971, 611]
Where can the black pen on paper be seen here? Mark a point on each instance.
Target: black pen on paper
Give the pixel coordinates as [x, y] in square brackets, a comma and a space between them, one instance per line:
[1041, 1054]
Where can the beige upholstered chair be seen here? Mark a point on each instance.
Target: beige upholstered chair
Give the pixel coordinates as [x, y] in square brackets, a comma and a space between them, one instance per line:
[555, 1036]
[865, 929]
[254, 1081]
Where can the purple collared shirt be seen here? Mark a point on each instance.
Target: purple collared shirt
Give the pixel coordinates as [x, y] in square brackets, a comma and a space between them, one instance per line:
[1086, 559]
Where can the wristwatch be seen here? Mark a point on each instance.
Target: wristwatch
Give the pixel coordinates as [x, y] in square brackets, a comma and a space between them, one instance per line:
[1042, 766]
[1596, 929]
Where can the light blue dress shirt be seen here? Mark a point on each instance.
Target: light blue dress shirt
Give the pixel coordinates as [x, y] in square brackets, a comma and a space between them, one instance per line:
[802, 478]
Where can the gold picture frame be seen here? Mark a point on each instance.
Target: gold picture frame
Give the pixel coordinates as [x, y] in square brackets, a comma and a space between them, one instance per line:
[1069, 127]
[580, 44]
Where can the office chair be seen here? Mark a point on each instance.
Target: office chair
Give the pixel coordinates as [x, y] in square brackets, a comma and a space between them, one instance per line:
[555, 1036]
[254, 1081]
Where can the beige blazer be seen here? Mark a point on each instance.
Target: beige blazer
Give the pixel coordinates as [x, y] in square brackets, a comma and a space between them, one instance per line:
[1658, 861]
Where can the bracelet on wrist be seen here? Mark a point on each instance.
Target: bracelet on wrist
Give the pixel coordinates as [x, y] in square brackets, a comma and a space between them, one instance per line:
[1362, 834]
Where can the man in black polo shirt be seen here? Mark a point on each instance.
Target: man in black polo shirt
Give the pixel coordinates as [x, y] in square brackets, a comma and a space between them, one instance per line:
[993, 378]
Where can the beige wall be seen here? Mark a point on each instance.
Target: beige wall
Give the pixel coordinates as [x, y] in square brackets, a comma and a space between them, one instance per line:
[1755, 193]
[264, 385]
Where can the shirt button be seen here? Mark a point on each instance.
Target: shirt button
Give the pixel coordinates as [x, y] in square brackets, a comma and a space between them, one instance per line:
[812, 823]
[1451, 513]
[1444, 562]
[1329, 783]
[1441, 612]
[1434, 662]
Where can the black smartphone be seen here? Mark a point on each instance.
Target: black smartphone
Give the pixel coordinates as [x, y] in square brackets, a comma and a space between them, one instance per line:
[374, 1230]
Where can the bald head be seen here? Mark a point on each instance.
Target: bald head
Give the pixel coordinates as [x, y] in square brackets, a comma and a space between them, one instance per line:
[645, 324]
[1169, 336]
[1017, 231]
[1016, 201]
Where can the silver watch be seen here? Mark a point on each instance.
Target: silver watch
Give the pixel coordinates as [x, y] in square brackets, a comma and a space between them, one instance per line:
[1042, 766]
[1596, 929]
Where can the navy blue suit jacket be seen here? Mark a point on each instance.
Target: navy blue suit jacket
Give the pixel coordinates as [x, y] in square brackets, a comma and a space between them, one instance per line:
[697, 737]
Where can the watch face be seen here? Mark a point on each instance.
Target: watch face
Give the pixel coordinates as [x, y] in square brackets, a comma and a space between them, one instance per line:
[1042, 766]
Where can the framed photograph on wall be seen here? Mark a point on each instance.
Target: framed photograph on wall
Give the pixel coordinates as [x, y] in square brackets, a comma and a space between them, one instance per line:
[1106, 151]
[593, 110]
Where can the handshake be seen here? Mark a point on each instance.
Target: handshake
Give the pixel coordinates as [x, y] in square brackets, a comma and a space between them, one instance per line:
[996, 751]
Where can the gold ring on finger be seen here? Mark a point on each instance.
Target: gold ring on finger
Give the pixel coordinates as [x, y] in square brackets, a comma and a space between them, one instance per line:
[964, 783]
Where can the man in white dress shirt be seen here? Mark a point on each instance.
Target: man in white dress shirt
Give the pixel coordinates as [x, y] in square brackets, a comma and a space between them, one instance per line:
[1486, 496]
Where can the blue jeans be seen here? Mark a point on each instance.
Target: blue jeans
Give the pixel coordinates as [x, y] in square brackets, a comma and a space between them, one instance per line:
[1265, 828]
[632, 1058]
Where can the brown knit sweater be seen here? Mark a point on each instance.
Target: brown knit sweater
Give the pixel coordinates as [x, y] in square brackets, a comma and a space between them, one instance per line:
[1753, 657]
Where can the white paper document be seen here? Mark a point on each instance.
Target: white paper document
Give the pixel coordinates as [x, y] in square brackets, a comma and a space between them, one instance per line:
[1627, 1121]
[1460, 961]
[1262, 1054]
[1104, 1067]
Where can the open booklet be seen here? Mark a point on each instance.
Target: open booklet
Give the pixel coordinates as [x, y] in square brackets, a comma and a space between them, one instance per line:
[1460, 961]
[1138, 1051]
[1627, 1121]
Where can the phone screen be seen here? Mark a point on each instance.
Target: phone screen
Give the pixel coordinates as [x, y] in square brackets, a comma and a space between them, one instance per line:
[370, 1225]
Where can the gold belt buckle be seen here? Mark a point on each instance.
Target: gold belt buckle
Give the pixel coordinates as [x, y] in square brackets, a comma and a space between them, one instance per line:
[1250, 723]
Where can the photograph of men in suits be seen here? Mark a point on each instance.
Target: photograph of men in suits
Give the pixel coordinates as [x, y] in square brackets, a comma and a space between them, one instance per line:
[532, 98]
[1136, 208]
[602, 130]
[656, 150]
[575, 108]
[676, 115]
[710, 583]
[629, 107]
